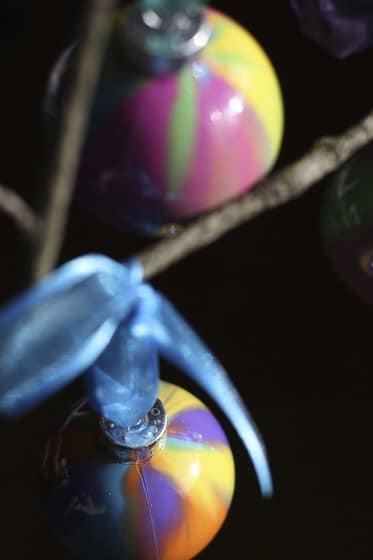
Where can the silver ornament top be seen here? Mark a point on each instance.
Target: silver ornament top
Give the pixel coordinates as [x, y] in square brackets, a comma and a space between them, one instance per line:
[162, 36]
[143, 435]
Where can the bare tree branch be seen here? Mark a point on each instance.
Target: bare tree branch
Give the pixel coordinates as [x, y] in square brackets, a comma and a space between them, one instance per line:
[326, 156]
[74, 123]
[18, 210]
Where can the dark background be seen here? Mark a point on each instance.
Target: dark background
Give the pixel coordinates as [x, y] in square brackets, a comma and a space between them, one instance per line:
[296, 343]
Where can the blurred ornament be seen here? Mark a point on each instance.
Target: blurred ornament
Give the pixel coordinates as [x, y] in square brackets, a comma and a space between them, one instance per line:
[342, 27]
[188, 115]
[163, 501]
[132, 476]
[347, 223]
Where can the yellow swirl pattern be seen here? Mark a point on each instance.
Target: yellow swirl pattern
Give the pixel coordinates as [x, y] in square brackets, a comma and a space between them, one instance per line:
[237, 57]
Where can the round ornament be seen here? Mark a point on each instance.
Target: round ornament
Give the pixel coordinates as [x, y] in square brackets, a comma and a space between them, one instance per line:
[109, 498]
[188, 115]
[347, 223]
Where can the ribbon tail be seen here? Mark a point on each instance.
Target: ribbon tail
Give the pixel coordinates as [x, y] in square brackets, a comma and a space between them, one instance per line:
[180, 344]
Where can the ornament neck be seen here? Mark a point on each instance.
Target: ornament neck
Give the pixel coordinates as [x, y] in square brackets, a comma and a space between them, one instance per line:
[163, 37]
[138, 442]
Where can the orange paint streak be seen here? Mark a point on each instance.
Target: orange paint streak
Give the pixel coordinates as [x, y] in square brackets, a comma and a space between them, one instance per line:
[197, 530]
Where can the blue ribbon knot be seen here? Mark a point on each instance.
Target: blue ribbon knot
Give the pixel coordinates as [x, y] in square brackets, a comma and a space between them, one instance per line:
[96, 316]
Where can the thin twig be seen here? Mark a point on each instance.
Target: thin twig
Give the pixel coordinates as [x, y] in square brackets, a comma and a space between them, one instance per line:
[74, 123]
[18, 210]
[326, 156]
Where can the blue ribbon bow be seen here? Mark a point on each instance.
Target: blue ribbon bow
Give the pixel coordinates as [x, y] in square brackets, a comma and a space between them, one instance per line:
[96, 315]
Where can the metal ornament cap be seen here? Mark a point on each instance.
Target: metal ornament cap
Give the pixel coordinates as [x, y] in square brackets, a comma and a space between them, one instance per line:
[161, 38]
[144, 434]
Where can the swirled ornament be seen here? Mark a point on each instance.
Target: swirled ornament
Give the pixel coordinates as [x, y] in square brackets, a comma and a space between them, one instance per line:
[347, 223]
[178, 127]
[165, 501]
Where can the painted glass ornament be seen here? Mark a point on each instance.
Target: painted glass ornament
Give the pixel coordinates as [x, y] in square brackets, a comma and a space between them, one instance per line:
[138, 442]
[342, 27]
[178, 126]
[347, 223]
[167, 503]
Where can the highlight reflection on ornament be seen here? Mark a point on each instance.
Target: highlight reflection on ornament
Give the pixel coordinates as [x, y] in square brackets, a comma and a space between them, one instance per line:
[347, 223]
[168, 505]
[166, 144]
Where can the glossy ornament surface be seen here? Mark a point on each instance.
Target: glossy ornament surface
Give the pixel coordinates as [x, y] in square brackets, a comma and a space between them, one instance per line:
[347, 223]
[166, 147]
[167, 505]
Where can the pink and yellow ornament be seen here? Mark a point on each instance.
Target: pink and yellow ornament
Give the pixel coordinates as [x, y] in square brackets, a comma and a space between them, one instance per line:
[166, 148]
